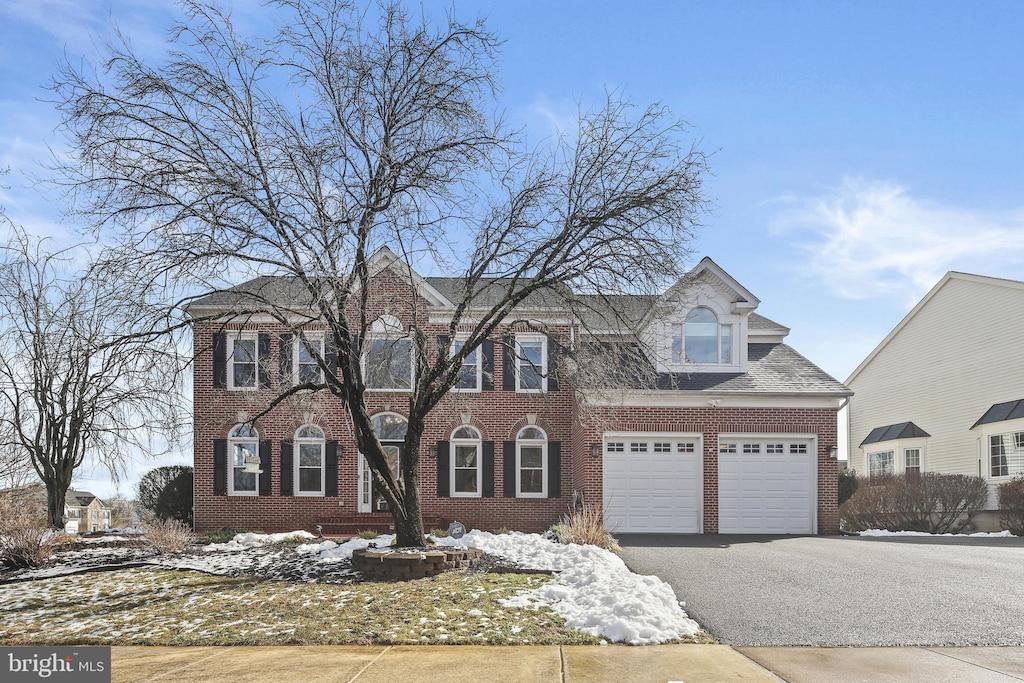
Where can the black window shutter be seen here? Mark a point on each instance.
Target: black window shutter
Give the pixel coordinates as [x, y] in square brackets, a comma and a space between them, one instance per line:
[285, 364]
[488, 469]
[263, 353]
[508, 466]
[331, 452]
[220, 362]
[444, 486]
[508, 375]
[355, 346]
[554, 469]
[487, 365]
[287, 468]
[220, 467]
[553, 358]
[265, 466]
[331, 353]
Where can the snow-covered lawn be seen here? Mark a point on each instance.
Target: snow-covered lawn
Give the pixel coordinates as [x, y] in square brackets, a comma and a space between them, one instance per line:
[592, 597]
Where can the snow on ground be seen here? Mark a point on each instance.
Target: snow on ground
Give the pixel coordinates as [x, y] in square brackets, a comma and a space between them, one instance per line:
[593, 590]
[980, 534]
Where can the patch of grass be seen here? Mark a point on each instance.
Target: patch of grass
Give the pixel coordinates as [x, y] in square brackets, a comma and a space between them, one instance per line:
[164, 607]
[222, 535]
[501, 531]
[368, 534]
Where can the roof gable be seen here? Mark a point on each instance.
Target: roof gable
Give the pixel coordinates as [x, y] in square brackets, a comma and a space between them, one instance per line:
[948, 277]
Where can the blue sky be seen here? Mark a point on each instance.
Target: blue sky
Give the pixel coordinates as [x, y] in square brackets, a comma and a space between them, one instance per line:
[859, 149]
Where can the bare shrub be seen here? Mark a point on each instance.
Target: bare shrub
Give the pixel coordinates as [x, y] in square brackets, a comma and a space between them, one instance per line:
[1011, 506]
[168, 536]
[25, 540]
[585, 526]
[929, 502]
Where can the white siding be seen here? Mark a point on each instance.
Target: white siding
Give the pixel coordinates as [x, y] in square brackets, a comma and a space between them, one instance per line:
[956, 356]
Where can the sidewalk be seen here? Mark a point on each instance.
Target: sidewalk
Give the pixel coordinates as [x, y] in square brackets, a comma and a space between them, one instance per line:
[571, 664]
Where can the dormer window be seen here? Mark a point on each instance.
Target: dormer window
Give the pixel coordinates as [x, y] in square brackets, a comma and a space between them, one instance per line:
[701, 339]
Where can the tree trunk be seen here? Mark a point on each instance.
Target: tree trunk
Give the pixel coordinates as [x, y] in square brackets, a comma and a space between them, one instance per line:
[409, 526]
[55, 491]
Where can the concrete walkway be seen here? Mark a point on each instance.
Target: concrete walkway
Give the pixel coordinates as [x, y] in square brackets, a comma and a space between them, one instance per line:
[590, 664]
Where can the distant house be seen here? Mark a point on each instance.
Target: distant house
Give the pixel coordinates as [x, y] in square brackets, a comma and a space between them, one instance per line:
[943, 392]
[730, 431]
[85, 512]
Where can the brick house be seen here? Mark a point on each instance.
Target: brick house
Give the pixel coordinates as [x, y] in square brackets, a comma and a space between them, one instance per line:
[716, 426]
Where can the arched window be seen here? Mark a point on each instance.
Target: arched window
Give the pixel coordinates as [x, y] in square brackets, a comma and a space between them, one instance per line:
[309, 465]
[531, 463]
[244, 445]
[465, 472]
[701, 339]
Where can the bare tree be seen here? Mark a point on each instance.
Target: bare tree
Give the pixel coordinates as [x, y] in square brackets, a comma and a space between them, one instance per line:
[84, 369]
[302, 154]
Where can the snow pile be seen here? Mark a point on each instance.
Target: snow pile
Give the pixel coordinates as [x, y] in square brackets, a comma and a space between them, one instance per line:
[980, 534]
[250, 540]
[337, 552]
[593, 590]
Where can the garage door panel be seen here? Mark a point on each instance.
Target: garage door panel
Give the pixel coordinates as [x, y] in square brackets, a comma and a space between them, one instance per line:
[648, 491]
[761, 492]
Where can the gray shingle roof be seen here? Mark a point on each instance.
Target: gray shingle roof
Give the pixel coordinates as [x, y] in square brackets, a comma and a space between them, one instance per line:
[771, 369]
[902, 430]
[80, 498]
[1001, 412]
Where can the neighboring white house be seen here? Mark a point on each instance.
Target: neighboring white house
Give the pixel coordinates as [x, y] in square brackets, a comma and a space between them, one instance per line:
[940, 392]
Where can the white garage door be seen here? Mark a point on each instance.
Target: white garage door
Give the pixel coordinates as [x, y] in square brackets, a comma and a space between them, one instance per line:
[652, 483]
[767, 486]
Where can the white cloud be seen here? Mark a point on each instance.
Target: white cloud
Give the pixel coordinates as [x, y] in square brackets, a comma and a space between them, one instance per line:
[872, 239]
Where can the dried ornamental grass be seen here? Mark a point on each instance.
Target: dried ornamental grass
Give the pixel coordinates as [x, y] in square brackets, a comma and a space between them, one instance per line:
[168, 536]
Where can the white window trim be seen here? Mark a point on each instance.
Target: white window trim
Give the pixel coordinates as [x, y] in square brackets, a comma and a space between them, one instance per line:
[315, 338]
[412, 363]
[478, 444]
[232, 338]
[479, 368]
[532, 337]
[920, 457]
[232, 441]
[296, 443]
[544, 465]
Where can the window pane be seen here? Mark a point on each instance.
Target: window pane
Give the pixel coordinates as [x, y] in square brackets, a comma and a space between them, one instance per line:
[701, 336]
[242, 450]
[531, 481]
[677, 343]
[310, 455]
[529, 378]
[726, 344]
[465, 456]
[309, 374]
[466, 433]
[310, 432]
[389, 364]
[465, 481]
[531, 368]
[531, 456]
[391, 455]
[390, 427]
[531, 352]
[245, 481]
[244, 351]
[244, 374]
[531, 433]
[305, 354]
[467, 377]
[309, 479]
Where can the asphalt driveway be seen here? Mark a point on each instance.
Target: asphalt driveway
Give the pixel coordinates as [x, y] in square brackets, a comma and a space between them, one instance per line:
[842, 591]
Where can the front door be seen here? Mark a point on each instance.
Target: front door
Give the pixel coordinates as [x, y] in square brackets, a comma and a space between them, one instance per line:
[370, 499]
